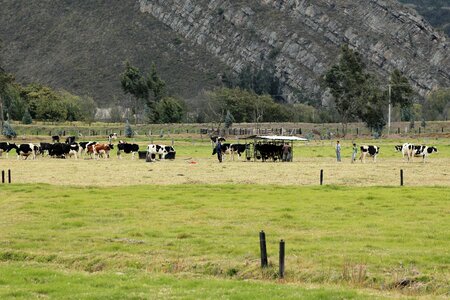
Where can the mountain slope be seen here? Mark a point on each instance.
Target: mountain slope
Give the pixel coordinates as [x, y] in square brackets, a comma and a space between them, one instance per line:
[81, 46]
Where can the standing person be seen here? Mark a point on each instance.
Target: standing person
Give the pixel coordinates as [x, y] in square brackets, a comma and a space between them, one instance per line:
[354, 152]
[219, 150]
[286, 150]
[338, 151]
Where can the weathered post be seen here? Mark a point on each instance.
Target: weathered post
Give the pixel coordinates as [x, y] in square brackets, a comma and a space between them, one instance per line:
[282, 248]
[3, 176]
[321, 177]
[262, 246]
[9, 176]
[401, 177]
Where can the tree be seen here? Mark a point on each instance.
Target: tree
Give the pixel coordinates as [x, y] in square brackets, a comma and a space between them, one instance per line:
[26, 119]
[229, 119]
[401, 94]
[374, 111]
[346, 81]
[437, 105]
[156, 84]
[135, 84]
[169, 110]
[8, 130]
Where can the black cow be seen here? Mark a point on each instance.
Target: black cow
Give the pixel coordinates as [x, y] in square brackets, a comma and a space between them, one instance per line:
[25, 150]
[70, 140]
[44, 147]
[55, 138]
[423, 151]
[127, 148]
[269, 151]
[62, 150]
[370, 150]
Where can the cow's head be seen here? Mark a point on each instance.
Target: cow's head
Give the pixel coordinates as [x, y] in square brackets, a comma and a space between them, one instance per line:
[432, 150]
[111, 146]
[398, 148]
[12, 146]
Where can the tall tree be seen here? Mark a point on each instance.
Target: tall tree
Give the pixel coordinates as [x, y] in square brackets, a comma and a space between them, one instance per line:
[134, 83]
[156, 84]
[346, 81]
[401, 94]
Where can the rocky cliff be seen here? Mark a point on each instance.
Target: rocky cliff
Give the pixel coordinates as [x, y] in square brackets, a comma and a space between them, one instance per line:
[302, 37]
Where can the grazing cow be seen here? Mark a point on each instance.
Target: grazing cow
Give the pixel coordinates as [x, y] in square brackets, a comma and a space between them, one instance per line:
[62, 150]
[216, 138]
[407, 150]
[161, 150]
[70, 140]
[370, 150]
[101, 149]
[225, 149]
[423, 151]
[55, 138]
[111, 137]
[127, 148]
[237, 148]
[24, 150]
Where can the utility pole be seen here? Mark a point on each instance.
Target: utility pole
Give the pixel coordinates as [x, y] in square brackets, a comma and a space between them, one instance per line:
[389, 110]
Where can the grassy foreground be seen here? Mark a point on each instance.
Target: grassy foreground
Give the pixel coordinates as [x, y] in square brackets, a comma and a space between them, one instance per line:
[184, 240]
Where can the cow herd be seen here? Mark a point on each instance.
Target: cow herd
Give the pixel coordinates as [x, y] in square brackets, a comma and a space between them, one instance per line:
[90, 149]
[410, 150]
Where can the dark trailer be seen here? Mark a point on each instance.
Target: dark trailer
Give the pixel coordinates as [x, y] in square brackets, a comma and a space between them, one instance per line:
[266, 147]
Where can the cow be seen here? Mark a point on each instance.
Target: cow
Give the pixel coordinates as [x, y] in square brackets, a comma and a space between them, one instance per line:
[5, 147]
[127, 148]
[83, 147]
[111, 137]
[44, 147]
[237, 148]
[161, 150]
[100, 150]
[25, 150]
[217, 138]
[55, 138]
[269, 151]
[370, 150]
[70, 140]
[407, 150]
[63, 150]
[424, 151]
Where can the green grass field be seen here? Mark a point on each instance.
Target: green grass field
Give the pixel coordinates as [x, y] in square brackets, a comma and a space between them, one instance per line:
[201, 241]
[188, 228]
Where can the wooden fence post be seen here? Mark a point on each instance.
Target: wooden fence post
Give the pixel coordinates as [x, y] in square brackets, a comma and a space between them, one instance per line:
[263, 248]
[321, 177]
[282, 249]
[9, 176]
[401, 177]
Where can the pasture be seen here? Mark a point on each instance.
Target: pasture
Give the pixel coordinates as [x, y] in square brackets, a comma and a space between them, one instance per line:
[134, 241]
[188, 228]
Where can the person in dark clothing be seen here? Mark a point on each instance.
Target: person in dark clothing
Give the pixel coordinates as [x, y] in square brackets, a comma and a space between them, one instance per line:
[219, 150]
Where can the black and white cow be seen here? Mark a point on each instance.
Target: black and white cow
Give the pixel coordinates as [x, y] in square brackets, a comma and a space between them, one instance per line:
[161, 150]
[127, 148]
[5, 147]
[63, 150]
[25, 150]
[111, 137]
[237, 149]
[70, 140]
[83, 146]
[45, 147]
[370, 150]
[407, 150]
[225, 149]
[424, 151]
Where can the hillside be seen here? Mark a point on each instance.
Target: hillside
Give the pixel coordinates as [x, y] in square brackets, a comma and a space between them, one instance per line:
[437, 12]
[81, 45]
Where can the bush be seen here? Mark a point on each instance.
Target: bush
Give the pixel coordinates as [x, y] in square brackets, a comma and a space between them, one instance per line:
[128, 130]
[8, 131]
[26, 119]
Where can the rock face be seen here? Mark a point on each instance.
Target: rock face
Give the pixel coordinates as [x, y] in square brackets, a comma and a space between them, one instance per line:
[302, 37]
